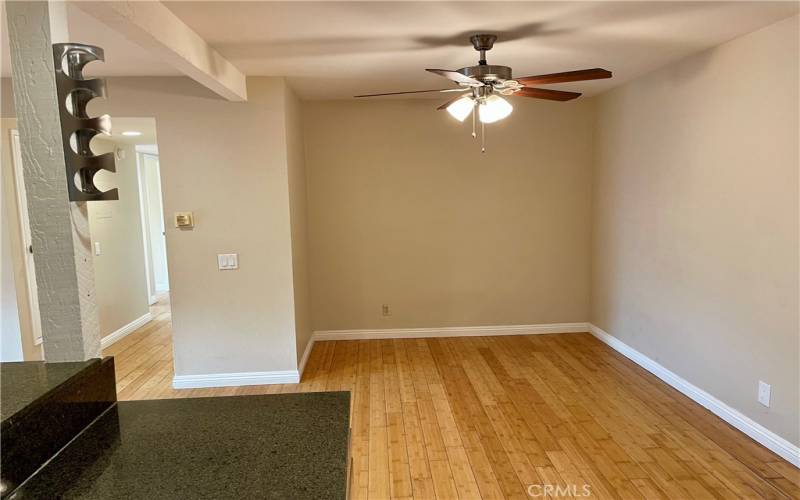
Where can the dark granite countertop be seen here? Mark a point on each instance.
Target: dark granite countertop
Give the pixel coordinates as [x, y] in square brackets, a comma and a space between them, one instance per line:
[282, 446]
[25, 382]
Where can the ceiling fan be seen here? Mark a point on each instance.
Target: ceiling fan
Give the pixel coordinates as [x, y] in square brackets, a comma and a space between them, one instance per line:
[483, 85]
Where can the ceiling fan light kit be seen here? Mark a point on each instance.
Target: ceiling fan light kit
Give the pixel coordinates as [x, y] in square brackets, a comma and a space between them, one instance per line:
[483, 84]
[461, 108]
[493, 108]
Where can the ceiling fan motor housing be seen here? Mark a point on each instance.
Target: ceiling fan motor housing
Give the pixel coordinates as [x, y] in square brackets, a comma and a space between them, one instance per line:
[487, 73]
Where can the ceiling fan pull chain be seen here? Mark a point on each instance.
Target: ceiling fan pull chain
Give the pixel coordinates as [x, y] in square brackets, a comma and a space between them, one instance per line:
[483, 137]
[474, 135]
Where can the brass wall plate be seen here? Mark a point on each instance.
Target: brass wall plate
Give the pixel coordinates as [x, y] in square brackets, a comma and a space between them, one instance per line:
[184, 220]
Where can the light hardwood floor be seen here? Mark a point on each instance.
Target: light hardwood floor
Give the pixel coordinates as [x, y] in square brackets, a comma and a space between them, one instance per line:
[484, 417]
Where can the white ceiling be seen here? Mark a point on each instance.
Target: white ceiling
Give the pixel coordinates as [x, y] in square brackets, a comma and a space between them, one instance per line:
[338, 49]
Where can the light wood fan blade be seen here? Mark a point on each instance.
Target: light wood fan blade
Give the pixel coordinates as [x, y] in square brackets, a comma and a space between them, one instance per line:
[456, 77]
[552, 95]
[567, 76]
[412, 92]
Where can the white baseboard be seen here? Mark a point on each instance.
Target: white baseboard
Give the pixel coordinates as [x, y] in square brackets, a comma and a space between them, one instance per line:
[125, 330]
[246, 378]
[753, 429]
[302, 365]
[235, 379]
[450, 331]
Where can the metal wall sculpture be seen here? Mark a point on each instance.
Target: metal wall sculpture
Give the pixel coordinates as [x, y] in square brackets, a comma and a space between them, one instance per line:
[77, 128]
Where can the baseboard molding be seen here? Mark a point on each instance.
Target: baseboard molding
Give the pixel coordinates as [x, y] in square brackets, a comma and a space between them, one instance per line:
[302, 365]
[125, 330]
[753, 429]
[235, 379]
[457, 331]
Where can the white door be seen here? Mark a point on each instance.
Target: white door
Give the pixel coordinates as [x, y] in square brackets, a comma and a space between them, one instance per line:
[155, 215]
[28, 250]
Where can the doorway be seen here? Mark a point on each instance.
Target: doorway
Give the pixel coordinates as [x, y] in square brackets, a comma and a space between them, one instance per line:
[154, 231]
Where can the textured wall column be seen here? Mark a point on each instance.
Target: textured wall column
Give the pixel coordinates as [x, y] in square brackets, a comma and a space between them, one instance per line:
[59, 228]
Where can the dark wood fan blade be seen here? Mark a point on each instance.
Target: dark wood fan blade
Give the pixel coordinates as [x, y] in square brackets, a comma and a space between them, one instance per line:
[567, 76]
[552, 95]
[456, 77]
[411, 92]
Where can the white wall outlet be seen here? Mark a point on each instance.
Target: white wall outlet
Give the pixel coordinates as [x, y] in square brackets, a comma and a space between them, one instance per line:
[227, 261]
[764, 393]
[97, 248]
[385, 311]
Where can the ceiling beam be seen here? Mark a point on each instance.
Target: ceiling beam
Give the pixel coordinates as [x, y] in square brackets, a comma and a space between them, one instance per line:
[155, 28]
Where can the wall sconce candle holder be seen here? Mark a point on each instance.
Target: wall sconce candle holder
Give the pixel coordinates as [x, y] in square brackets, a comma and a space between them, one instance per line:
[77, 128]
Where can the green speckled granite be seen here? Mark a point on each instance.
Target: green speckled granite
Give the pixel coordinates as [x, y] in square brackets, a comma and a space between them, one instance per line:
[22, 383]
[45, 405]
[283, 446]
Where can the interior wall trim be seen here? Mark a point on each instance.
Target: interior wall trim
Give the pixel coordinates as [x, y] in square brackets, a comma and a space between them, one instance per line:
[235, 379]
[303, 360]
[125, 330]
[450, 331]
[751, 428]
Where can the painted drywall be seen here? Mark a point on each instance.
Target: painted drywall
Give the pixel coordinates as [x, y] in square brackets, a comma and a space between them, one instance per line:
[225, 162]
[119, 271]
[31, 352]
[298, 202]
[10, 333]
[695, 221]
[405, 210]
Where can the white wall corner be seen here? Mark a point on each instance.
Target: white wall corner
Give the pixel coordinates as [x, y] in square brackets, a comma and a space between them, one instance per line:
[235, 379]
[301, 367]
[748, 426]
[125, 330]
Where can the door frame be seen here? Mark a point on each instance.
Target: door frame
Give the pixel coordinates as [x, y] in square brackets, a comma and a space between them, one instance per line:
[26, 239]
[145, 197]
[148, 253]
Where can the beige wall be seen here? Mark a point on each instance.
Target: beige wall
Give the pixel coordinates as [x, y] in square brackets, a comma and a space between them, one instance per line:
[119, 271]
[30, 351]
[405, 210]
[695, 247]
[226, 162]
[297, 208]
[10, 333]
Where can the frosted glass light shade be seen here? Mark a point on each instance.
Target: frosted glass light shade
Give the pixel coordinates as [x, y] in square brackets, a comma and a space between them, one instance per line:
[461, 108]
[494, 108]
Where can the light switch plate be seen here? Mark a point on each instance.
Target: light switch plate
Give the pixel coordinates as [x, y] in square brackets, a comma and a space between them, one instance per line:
[227, 261]
[764, 393]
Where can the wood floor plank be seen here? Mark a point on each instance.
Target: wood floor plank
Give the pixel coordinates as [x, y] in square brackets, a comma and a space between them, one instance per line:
[487, 417]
